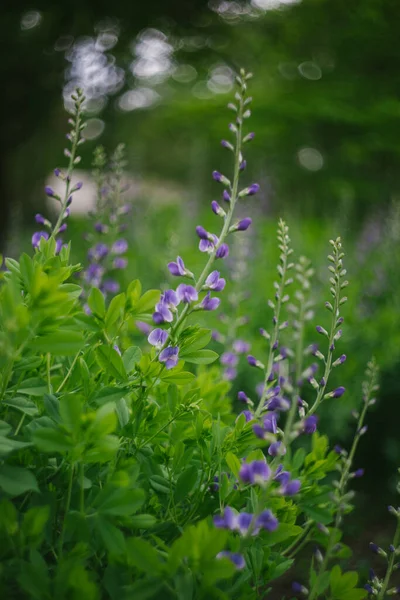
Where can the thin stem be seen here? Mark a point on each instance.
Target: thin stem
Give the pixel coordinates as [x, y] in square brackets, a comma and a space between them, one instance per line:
[22, 419]
[227, 221]
[82, 489]
[67, 505]
[341, 488]
[285, 252]
[48, 365]
[299, 539]
[390, 566]
[64, 381]
[75, 142]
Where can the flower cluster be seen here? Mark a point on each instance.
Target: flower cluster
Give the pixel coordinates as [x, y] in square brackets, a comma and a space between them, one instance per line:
[107, 254]
[200, 294]
[76, 139]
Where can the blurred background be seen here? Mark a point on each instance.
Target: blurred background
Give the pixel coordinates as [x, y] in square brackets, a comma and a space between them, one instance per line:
[326, 113]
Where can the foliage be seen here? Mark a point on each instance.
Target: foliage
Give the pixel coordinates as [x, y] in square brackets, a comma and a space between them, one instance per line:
[125, 472]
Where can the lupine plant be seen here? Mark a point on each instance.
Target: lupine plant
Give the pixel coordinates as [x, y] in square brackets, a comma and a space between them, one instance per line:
[125, 473]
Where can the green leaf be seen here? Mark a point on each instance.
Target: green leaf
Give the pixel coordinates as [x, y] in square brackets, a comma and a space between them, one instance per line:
[284, 532]
[143, 521]
[115, 310]
[201, 357]
[34, 522]
[110, 394]
[15, 481]
[23, 405]
[118, 502]
[181, 378]
[147, 302]
[52, 439]
[185, 483]
[70, 412]
[122, 412]
[61, 343]
[233, 463]
[111, 362]
[112, 537]
[131, 357]
[97, 303]
[198, 340]
[33, 387]
[8, 445]
[143, 555]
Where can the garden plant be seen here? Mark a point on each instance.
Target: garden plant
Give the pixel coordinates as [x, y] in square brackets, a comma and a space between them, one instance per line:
[126, 470]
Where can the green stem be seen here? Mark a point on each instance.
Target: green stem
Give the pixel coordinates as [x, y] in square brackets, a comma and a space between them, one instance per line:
[82, 489]
[392, 558]
[227, 221]
[64, 381]
[340, 493]
[22, 419]
[67, 505]
[75, 142]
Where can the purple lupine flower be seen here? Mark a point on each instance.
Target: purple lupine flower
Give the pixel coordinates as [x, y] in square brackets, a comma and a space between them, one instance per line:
[217, 176]
[94, 273]
[358, 473]
[243, 165]
[243, 522]
[119, 247]
[186, 293]
[177, 268]
[120, 263]
[217, 209]
[251, 190]
[242, 397]
[338, 392]
[117, 349]
[339, 361]
[321, 330]
[255, 472]
[248, 415]
[266, 520]
[244, 224]
[69, 201]
[143, 327]
[229, 358]
[49, 192]
[250, 136]
[234, 557]
[338, 449]
[100, 228]
[253, 362]
[241, 347]
[299, 589]
[270, 422]
[40, 219]
[99, 252]
[291, 488]
[226, 196]
[78, 186]
[226, 144]
[209, 303]
[169, 300]
[57, 172]
[278, 403]
[38, 236]
[230, 373]
[62, 228]
[158, 337]
[59, 245]
[310, 424]
[208, 245]
[202, 233]
[227, 520]
[223, 251]
[169, 356]
[111, 286]
[276, 449]
[215, 282]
